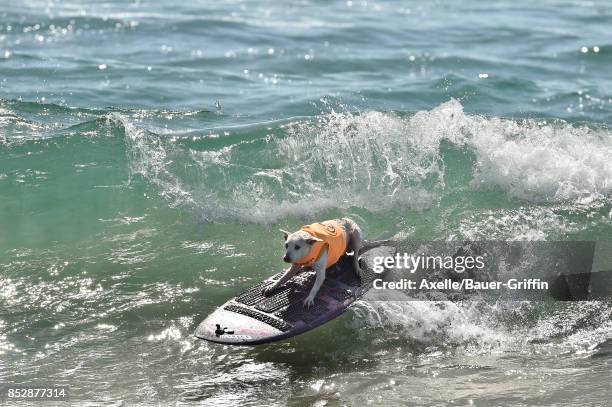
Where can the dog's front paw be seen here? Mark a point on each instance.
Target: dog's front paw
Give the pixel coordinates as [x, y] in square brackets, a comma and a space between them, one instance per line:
[309, 301]
[269, 290]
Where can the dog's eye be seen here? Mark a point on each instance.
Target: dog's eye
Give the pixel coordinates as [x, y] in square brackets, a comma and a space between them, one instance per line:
[297, 247]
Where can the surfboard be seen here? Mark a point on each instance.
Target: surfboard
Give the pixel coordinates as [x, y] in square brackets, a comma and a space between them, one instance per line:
[251, 318]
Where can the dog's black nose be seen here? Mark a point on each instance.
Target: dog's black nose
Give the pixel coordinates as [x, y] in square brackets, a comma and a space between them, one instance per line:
[286, 259]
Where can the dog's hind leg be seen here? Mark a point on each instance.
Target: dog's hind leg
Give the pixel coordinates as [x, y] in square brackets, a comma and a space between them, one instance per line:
[355, 243]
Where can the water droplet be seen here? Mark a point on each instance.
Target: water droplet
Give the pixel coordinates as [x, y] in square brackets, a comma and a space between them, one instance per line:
[595, 48]
[102, 67]
[584, 50]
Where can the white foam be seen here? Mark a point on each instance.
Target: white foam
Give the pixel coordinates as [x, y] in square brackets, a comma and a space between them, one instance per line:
[544, 163]
[438, 324]
[531, 160]
[477, 327]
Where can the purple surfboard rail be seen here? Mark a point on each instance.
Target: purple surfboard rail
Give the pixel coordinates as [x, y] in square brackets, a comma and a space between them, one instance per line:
[251, 319]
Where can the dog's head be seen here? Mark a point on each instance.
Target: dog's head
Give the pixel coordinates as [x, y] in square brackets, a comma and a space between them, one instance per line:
[298, 245]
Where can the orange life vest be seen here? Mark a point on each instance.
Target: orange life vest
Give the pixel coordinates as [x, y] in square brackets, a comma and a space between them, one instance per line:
[333, 238]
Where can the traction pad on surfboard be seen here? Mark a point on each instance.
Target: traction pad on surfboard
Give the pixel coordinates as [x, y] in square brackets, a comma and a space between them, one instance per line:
[297, 312]
[287, 302]
[276, 323]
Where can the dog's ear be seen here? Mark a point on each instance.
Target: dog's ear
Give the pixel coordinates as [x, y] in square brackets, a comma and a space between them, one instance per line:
[313, 239]
[285, 233]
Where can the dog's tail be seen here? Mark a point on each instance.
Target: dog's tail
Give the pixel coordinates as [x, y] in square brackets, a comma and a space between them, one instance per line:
[370, 244]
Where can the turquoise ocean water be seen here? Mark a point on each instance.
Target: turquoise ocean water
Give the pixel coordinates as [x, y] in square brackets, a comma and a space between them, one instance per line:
[150, 150]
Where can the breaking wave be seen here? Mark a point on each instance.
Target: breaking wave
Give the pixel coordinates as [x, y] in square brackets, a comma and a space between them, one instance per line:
[373, 161]
[376, 161]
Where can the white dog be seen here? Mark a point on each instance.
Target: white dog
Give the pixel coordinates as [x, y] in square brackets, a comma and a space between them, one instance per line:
[318, 247]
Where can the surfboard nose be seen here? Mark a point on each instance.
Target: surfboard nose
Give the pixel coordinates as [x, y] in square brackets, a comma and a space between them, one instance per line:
[231, 327]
